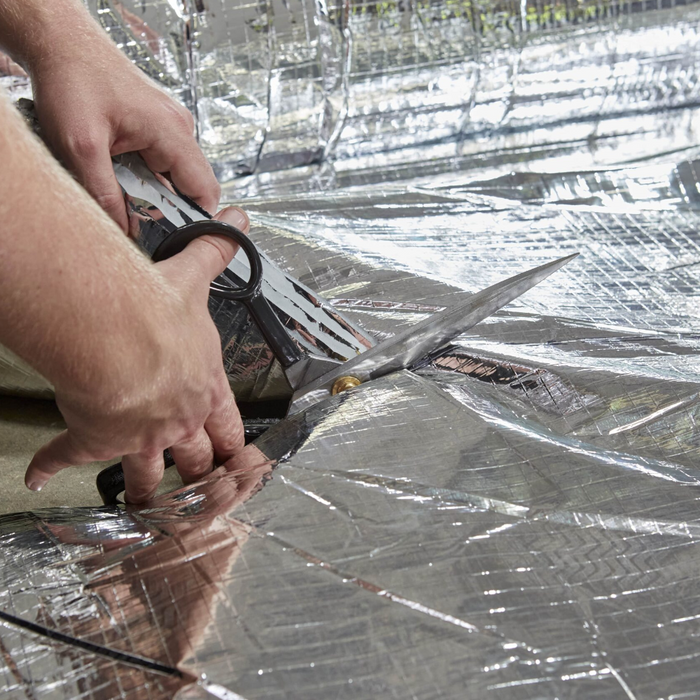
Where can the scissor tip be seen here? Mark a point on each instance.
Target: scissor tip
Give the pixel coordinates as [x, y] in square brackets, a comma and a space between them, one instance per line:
[566, 259]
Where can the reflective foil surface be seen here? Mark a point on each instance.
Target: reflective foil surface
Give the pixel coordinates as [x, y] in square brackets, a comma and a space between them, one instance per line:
[377, 89]
[517, 518]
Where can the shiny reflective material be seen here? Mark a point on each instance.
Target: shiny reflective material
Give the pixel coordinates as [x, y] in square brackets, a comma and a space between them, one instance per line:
[518, 518]
[349, 93]
[520, 514]
[422, 534]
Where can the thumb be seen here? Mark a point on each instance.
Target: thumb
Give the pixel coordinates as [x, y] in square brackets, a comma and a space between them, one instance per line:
[234, 216]
[208, 255]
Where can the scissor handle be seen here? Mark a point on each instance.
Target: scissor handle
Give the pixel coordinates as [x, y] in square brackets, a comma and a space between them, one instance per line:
[250, 294]
[180, 238]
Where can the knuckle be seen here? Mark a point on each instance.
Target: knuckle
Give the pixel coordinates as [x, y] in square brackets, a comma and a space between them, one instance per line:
[232, 441]
[189, 426]
[203, 464]
[179, 116]
[102, 454]
[219, 248]
[111, 202]
[151, 452]
[138, 494]
[229, 411]
[225, 390]
[222, 397]
[190, 433]
[188, 120]
[85, 146]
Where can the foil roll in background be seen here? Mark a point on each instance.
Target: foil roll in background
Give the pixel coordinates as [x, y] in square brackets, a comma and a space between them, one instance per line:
[519, 517]
[374, 90]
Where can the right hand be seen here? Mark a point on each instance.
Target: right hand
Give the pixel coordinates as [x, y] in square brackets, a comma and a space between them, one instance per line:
[93, 103]
[166, 389]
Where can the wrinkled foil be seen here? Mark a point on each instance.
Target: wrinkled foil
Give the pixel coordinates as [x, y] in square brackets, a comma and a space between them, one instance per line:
[518, 517]
[346, 92]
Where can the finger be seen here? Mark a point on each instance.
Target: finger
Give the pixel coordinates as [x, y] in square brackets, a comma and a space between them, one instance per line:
[194, 458]
[225, 428]
[142, 474]
[208, 256]
[250, 467]
[91, 163]
[55, 455]
[234, 216]
[250, 458]
[189, 169]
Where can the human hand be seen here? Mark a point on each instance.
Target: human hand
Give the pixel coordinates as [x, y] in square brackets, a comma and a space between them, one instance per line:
[163, 387]
[9, 67]
[93, 103]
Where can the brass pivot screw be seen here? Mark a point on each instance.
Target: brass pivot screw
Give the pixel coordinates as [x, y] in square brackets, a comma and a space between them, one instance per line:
[344, 383]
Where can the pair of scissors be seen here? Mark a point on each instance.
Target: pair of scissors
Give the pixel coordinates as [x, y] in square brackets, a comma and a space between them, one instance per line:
[309, 377]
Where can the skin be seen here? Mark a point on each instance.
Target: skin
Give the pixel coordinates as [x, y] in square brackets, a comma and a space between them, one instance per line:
[129, 346]
[93, 103]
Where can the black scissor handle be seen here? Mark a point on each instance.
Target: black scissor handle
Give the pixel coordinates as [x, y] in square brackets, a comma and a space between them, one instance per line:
[110, 481]
[179, 239]
[273, 330]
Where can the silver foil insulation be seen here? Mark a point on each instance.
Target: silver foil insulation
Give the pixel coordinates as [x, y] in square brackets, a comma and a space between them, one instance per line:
[519, 517]
[380, 87]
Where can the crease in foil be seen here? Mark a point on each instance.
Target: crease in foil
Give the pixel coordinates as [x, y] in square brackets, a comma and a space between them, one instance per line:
[519, 516]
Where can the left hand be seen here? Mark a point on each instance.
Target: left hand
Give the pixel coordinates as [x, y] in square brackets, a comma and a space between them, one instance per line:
[93, 103]
[159, 382]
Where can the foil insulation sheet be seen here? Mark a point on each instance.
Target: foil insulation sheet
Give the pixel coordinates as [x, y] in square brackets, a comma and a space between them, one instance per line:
[342, 91]
[515, 519]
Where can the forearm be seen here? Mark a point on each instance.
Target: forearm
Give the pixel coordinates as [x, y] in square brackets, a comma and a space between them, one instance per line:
[73, 289]
[35, 31]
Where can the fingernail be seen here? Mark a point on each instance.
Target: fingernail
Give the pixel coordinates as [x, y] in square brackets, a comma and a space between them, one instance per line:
[237, 217]
[35, 486]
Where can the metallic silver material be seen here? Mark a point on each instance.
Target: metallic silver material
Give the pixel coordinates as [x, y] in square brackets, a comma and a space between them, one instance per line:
[344, 93]
[519, 517]
[412, 344]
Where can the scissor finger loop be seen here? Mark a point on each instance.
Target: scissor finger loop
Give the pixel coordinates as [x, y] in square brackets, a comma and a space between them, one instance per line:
[250, 294]
[177, 241]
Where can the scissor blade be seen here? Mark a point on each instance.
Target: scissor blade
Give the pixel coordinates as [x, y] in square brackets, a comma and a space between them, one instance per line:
[412, 344]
